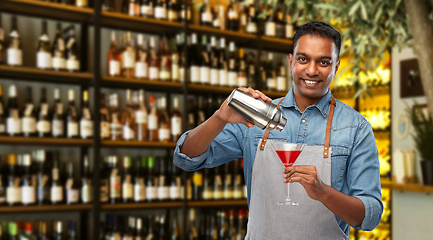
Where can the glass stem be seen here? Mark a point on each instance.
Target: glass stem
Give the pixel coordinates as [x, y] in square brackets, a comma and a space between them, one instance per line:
[288, 191]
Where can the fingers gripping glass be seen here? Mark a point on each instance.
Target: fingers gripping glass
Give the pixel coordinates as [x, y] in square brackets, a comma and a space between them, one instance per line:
[288, 153]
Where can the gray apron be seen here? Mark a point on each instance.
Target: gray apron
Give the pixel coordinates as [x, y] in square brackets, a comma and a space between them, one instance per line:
[310, 220]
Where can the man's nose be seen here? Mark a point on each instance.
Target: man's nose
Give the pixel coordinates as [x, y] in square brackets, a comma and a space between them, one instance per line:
[311, 69]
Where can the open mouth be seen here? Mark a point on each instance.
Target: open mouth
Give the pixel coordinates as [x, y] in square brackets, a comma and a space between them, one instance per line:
[311, 82]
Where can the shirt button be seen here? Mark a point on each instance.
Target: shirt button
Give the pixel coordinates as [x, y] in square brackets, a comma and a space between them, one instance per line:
[303, 120]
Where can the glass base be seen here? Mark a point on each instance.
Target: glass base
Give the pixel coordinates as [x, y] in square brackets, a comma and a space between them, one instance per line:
[287, 203]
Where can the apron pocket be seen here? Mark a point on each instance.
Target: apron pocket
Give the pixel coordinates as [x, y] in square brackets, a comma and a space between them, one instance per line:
[339, 155]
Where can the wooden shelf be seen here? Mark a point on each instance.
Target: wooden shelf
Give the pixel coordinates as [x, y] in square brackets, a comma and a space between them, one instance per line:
[410, 187]
[274, 95]
[6, 140]
[239, 37]
[277, 44]
[120, 82]
[134, 23]
[151, 205]
[45, 208]
[202, 88]
[135, 144]
[39, 75]
[44, 9]
[218, 203]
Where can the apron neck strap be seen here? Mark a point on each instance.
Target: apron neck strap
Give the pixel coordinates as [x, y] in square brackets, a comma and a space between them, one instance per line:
[332, 105]
[265, 136]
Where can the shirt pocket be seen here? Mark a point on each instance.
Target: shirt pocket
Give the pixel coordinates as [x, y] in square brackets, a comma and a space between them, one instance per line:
[279, 139]
[339, 157]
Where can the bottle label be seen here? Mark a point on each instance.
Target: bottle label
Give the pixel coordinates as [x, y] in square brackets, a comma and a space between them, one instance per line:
[151, 192]
[139, 191]
[271, 83]
[281, 83]
[115, 185]
[2, 128]
[103, 190]
[153, 122]
[13, 194]
[251, 27]
[129, 58]
[58, 126]
[28, 194]
[195, 74]
[114, 68]
[204, 75]
[232, 14]
[163, 193]
[13, 124]
[147, 9]
[127, 190]
[163, 134]
[181, 74]
[81, 3]
[128, 133]
[72, 129]
[245, 192]
[270, 29]
[14, 57]
[233, 78]
[86, 192]
[228, 194]
[43, 189]
[43, 126]
[72, 64]
[29, 125]
[174, 192]
[105, 130]
[43, 60]
[160, 12]
[223, 77]
[72, 195]
[116, 129]
[59, 63]
[238, 193]
[289, 31]
[217, 194]
[56, 194]
[153, 73]
[141, 70]
[140, 117]
[242, 81]
[86, 128]
[243, 20]
[175, 72]
[214, 76]
[176, 126]
[207, 194]
[164, 74]
[172, 15]
[206, 17]
[216, 22]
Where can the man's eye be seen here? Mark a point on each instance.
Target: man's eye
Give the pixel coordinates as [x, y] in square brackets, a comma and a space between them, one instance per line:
[325, 63]
[302, 59]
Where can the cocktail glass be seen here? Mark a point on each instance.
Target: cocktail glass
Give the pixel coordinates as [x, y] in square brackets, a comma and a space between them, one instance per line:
[288, 153]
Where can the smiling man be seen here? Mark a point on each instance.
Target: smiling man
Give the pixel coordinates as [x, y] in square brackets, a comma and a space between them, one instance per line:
[335, 180]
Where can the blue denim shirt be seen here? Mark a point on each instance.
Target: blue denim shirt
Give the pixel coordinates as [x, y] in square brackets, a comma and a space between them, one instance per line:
[354, 156]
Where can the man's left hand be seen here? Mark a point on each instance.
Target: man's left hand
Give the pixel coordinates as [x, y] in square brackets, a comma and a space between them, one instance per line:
[309, 178]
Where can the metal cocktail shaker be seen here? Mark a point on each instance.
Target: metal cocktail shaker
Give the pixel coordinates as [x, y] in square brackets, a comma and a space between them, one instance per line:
[264, 115]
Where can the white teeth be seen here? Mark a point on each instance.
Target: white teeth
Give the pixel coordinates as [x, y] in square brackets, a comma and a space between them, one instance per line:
[310, 82]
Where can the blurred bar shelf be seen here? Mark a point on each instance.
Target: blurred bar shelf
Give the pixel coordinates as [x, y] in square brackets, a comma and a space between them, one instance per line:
[121, 82]
[218, 203]
[45, 141]
[44, 9]
[151, 205]
[136, 144]
[39, 75]
[283, 46]
[203, 88]
[135, 23]
[239, 37]
[407, 187]
[45, 208]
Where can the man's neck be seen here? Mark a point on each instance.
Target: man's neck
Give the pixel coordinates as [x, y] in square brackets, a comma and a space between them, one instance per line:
[303, 102]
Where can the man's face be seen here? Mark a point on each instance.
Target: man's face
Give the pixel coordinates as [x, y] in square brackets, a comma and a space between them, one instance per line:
[313, 65]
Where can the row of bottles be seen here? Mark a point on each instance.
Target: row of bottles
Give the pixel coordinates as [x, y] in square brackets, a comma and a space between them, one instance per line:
[40, 230]
[45, 121]
[37, 178]
[60, 55]
[208, 62]
[237, 16]
[78, 3]
[379, 118]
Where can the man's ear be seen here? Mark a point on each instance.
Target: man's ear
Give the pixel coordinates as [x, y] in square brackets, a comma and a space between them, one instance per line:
[336, 67]
[289, 58]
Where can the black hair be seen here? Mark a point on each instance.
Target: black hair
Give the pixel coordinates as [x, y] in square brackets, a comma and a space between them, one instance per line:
[319, 29]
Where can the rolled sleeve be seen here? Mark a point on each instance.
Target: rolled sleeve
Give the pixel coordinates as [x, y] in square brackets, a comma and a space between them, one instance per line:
[363, 176]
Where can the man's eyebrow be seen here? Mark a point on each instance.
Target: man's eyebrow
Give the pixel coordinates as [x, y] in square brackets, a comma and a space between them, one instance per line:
[306, 55]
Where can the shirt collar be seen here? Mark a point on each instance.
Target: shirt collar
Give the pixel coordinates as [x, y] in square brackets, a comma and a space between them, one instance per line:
[322, 104]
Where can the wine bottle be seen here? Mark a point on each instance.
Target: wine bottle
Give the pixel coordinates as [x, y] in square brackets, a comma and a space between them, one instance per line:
[281, 77]
[114, 180]
[185, 12]
[222, 64]
[72, 57]
[207, 185]
[162, 228]
[175, 61]
[57, 230]
[115, 117]
[81, 3]
[43, 126]
[228, 181]
[172, 10]
[105, 119]
[108, 5]
[128, 233]
[151, 181]
[213, 58]
[28, 232]
[201, 110]
[163, 121]
[86, 189]
[251, 71]
[153, 120]
[165, 57]
[232, 17]
[161, 10]
[222, 222]
[176, 121]
[2, 43]
[57, 118]
[71, 116]
[147, 8]
[86, 122]
[42, 178]
[242, 72]
[271, 81]
[192, 233]
[58, 50]
[280, 23]
[2, 114]
[43, 50]
[13, 190]
[289, 27]
[216, 21]
[141, 118]
[139, 235]
[206, 14]
[237, 183]
[113, 63]
[180, 39]
[251, 18]
[175, 183]
[128, 57]
[28, 182]
[14, 49]
[56, 190]
[13, 231]
[163, 190]
[141, 62]
[127, 119]
[139, 184]
[104, 181]
[28, 120]
[241, 225]
[42, 235]
[197, 185]
[154, 62]
[127, 187]
[72, 229]
[242, 17]
[232, 66]
[205, 62]
[262, 18]
[194, 60]
[72, 191]
[270, 27]
[231, 231]
[13, 121]
[175, 235]
[134, 8]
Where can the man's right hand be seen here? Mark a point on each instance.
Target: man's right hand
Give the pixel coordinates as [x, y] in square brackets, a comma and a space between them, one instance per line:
[229, 115]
